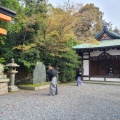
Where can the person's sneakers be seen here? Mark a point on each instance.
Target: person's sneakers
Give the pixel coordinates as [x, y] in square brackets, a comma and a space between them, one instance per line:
[81, 83]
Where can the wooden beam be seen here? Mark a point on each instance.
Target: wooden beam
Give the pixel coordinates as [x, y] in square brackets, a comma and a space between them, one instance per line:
[3, 31]
[5, 17]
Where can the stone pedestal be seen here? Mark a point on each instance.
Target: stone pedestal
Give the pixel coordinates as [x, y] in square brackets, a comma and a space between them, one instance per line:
[3, 85]
[12, 87]
[3, 81]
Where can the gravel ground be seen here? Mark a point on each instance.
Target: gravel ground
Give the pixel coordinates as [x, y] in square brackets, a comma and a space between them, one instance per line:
[87, 102]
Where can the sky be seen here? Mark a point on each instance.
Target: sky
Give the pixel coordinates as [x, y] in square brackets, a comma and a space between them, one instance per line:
[110, 8]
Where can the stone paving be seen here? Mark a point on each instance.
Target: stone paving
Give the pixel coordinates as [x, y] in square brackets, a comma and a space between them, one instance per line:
[87, 102]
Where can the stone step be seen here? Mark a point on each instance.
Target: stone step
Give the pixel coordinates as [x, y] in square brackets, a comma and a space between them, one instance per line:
[3, 76]
[2, 80]
[102, 82]
[32, 88]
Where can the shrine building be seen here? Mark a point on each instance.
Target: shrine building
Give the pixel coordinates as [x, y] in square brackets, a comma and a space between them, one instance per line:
[99, 58]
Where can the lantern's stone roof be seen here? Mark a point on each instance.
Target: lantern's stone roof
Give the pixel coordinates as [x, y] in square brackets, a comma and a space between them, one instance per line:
[101, 44]
[105, 30]
[12, 65]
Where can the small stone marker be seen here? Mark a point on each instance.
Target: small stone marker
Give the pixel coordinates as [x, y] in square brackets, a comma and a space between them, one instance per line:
[39, 73]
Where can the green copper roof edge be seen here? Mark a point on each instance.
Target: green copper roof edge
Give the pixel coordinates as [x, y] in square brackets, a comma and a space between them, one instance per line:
[107, 43]
[96, 47]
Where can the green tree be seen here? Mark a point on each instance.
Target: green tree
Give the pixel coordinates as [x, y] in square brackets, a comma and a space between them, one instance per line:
[20, 38]
[12, 28]
[29, 59]
[56, 39]
[88, 24]
[56, 32]
[110, 27]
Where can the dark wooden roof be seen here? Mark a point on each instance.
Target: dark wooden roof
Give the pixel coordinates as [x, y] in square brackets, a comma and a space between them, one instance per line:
[111, 34]
[7, 11]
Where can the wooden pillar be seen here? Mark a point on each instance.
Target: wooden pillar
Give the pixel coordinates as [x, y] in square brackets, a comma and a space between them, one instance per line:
[3, 31]
[5, 18]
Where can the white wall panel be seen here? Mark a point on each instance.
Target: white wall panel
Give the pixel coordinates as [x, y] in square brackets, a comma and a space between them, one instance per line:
[85, 56]
[96, 79]
[114, 52]
[86, 67]
[95, 53]
[85, 53]
[85, 78]
[113, 79]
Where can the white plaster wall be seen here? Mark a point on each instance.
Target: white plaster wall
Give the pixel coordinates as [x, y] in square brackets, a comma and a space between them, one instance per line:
[85, 56]
[113, 79]
[95, 53]
[85, 78]
[85, 53]
[96, 79]
[114, 52]
[86, 67]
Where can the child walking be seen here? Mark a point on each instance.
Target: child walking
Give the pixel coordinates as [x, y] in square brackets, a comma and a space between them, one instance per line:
[79, 77]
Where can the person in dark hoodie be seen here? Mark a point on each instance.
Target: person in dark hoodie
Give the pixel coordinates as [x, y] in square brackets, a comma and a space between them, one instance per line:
[53, 81]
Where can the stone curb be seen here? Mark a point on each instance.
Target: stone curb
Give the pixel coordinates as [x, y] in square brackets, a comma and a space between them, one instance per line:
[32, 88]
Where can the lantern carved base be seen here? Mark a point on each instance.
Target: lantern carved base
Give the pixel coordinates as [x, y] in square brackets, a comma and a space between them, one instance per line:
[12, 88]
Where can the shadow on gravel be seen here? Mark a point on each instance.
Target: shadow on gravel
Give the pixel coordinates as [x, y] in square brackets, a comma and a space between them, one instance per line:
[44, 94]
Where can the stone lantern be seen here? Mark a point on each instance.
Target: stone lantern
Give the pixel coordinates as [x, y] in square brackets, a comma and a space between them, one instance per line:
[12, 72]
